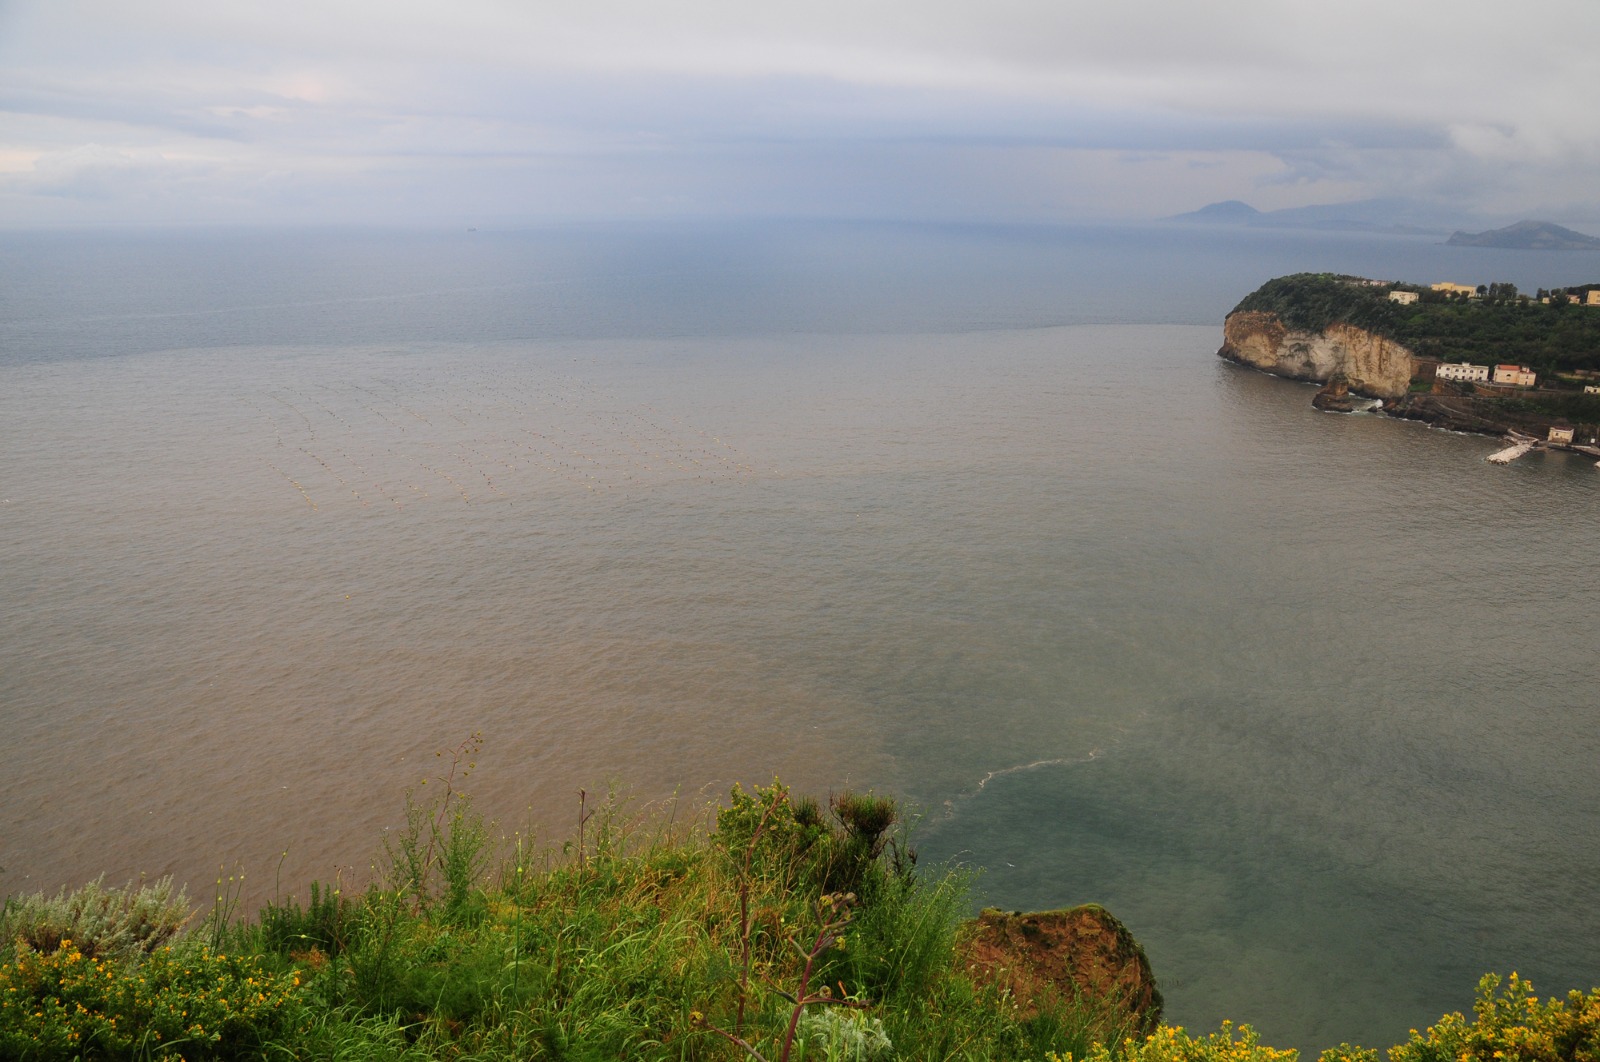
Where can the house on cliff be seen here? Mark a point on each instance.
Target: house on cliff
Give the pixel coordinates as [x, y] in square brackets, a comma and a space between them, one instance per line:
[1515, 375]
[1462, 371]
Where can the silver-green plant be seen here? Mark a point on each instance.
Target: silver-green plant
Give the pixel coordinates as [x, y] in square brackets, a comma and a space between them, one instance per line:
[110, 923]
[834, 1034]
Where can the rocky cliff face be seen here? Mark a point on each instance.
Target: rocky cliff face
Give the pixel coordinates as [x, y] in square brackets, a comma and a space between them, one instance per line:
[1375, 367]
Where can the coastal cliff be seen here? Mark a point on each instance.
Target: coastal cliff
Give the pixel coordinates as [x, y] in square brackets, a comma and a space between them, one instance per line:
[1427, 352]
[1373, 365]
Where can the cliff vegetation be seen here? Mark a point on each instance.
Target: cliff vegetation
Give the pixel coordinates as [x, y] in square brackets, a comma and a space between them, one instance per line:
[779, 930]
[1311, 302]
[1502, 325]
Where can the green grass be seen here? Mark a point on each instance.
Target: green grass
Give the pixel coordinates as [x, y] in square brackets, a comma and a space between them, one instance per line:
[638, 942]
[727, 939]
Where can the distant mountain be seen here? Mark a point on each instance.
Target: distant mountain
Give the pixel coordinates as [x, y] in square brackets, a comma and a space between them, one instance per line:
[1367, 215]
[1231, 212]
[1528, 236]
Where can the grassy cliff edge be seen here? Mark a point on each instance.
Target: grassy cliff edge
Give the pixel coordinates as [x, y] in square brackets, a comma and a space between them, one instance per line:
[776, 930]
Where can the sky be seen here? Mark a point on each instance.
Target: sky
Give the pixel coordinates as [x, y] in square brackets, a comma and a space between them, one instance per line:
[1034, 111]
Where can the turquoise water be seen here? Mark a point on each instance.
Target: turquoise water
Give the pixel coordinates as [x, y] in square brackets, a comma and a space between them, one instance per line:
[975, 516]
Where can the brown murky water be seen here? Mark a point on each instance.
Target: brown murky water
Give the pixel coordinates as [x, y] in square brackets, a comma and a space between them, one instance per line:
[1308, 700]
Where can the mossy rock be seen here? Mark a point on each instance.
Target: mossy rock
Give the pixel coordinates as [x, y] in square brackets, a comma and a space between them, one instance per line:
[1081, 953]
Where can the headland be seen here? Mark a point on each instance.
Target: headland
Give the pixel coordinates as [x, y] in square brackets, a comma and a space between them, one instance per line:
[1483, 358]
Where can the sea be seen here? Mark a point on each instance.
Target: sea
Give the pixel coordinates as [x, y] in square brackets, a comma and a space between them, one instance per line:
[968, 514]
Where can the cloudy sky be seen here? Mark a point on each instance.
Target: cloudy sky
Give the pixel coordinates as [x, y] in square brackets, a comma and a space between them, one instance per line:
[501, 111]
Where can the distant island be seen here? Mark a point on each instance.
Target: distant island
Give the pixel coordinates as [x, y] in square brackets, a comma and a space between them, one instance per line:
[1228, 212]
[1394, 216]
[1528, 236]
[1483, 358]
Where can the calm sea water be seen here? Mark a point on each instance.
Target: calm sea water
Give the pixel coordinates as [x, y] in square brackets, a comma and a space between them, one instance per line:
[972, 515]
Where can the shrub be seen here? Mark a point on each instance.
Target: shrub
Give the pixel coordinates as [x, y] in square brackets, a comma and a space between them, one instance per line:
[1170, 1043]
[67, 1004]
[768, 834]
[866, 818]
[1511, 1026]
[324, 925]
[101, 922]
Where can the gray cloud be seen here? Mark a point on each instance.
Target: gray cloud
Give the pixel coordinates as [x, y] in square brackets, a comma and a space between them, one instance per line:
[1011, 108]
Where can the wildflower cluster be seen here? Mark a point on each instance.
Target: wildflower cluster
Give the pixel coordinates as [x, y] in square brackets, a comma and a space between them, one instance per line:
[1170, 1043]
[187, 1001]
[1512, 1026]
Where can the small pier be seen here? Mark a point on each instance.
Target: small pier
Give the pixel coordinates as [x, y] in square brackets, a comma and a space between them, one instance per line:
[1520, 444]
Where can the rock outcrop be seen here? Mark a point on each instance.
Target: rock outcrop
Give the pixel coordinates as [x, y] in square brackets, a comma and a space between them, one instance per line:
[1335, 396]
[1080, 953]
[1373, 366]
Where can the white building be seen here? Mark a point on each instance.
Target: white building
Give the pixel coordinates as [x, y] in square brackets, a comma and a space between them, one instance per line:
[1404, 298]
[1591, 389]
[1560, 435]
[1463, 371]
